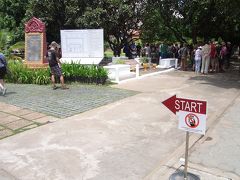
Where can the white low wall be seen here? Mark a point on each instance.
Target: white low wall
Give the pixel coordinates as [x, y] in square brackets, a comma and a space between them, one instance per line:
[167, 63]
[118, 70]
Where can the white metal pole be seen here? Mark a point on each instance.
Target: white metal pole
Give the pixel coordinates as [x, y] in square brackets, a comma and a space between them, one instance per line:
[137, 70]
[117, 75]
[186, 156]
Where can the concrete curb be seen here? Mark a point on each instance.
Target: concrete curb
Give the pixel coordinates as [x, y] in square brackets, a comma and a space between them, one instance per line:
[146, 75]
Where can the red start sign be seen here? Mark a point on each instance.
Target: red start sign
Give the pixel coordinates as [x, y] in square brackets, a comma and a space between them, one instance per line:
[175, 104]
[192, 113]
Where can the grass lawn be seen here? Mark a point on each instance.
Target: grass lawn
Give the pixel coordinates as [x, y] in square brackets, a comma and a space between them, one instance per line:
[109, 53]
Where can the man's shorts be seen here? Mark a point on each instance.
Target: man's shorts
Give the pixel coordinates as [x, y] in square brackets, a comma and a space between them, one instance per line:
[56, 70]
[3, 72]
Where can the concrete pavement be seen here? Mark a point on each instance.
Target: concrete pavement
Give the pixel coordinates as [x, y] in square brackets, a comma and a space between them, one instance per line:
[133, 138]
[28, 106]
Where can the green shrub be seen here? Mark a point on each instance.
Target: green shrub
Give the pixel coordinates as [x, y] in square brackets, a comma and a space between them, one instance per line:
[19, 73]
[84, 73]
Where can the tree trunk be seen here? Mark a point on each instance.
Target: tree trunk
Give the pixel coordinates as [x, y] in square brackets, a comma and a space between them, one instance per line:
[194, 36]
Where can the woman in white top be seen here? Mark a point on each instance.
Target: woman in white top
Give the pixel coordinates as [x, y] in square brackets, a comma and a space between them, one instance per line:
[198, 59]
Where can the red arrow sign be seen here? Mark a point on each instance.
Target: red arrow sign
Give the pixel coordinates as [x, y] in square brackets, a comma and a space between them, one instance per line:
[175, 104]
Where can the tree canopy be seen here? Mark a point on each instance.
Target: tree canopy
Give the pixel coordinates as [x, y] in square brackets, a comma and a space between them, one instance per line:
[195, 19]
[158, 20]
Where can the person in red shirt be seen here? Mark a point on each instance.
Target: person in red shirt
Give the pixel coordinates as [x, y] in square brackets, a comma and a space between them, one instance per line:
[213, 58]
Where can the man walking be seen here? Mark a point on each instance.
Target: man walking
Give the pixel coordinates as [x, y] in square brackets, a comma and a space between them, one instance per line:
[54, 62]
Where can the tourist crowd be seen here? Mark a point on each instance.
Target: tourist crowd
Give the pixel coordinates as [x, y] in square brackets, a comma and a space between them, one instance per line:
[202, 58]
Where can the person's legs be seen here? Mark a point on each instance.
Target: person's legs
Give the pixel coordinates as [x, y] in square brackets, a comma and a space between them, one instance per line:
[53, 81]
[213, 62]
[206, 65]
[52, 69]
[1, 85]
[220, 64]
[183, 63]
[59, 74]
[197, 66]
[3, 71]
[216, 65]
[62, 80]
[203, 64]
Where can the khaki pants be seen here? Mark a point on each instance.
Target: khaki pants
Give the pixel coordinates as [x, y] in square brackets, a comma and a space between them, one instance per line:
[205, 64]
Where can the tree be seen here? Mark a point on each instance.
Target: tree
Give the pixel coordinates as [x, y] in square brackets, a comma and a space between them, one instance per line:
[5, 39]
[11, 16]
[118, 18]
[153, 28]
[205, 19]
[52, 13]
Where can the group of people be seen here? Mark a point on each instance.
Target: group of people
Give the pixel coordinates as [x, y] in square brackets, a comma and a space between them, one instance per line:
[208, 57]
[159, 51]
[132, 50]
[212, 57]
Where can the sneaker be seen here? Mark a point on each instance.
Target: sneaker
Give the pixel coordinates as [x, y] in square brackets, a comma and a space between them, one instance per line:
[64, 87]
[54, 87]
[4, 91]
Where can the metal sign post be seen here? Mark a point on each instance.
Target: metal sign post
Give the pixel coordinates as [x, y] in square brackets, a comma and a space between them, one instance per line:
[186, 155]
[192, 115]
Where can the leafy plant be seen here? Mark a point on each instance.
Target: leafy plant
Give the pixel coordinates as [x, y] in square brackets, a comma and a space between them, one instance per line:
[144, 60]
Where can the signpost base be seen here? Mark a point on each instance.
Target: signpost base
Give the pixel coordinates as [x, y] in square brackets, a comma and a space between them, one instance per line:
[180, 176]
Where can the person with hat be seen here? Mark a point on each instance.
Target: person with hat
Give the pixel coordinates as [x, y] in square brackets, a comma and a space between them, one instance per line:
[54, 62]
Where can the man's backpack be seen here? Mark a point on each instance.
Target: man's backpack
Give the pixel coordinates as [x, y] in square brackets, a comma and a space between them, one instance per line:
[51, 57]
[3, 62]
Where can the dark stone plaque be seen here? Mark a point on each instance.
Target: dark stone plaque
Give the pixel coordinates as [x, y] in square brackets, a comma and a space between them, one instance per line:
[34, 44]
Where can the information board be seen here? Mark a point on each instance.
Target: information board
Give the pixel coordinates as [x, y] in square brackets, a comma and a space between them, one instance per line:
[33, 47]
[83, 45]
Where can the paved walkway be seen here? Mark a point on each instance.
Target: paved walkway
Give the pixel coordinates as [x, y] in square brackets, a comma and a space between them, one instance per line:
[129, 139]
[28, 106]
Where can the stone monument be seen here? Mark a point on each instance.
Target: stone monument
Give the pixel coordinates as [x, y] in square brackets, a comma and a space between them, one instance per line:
[35, 43]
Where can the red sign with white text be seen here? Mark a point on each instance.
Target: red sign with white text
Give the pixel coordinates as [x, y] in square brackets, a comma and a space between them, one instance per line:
[191, 113]
[176, 104]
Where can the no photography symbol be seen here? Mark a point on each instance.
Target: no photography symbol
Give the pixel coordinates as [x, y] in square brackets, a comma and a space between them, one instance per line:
[192, 120]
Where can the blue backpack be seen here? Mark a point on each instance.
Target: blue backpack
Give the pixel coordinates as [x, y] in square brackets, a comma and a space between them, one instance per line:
[3, 62]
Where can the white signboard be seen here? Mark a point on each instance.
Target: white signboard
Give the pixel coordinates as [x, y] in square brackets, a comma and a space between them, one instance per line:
[82, 46]
[192, 122]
